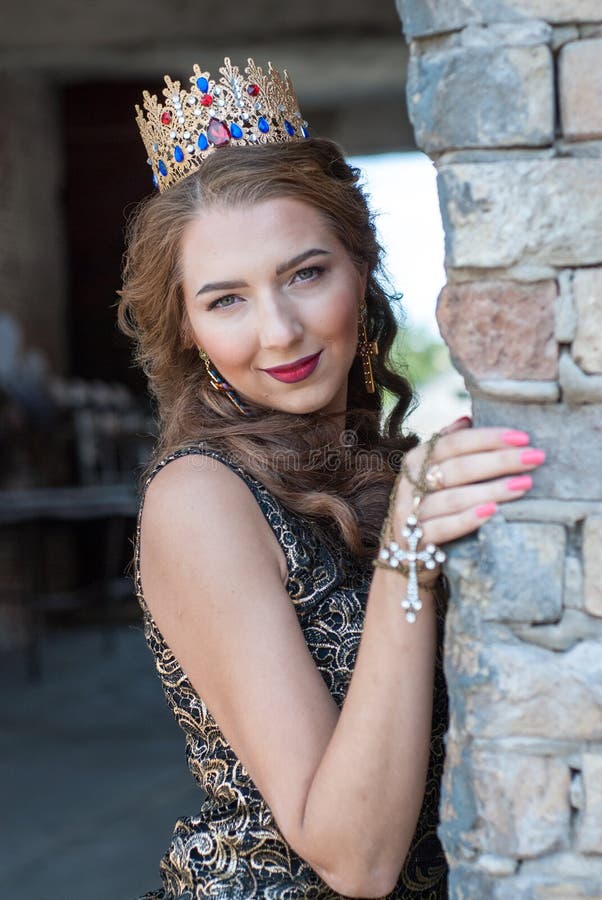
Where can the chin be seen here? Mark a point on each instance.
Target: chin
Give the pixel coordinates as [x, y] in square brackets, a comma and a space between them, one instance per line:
[296, 405]
[314, 407]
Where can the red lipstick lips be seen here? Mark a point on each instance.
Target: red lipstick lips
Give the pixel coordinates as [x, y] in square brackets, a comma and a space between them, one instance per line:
[296, 371]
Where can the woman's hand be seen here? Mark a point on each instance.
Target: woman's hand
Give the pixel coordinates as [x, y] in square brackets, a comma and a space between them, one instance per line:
[479, 469]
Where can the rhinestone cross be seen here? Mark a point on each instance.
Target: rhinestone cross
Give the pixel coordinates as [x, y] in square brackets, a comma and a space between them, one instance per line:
[393, 555]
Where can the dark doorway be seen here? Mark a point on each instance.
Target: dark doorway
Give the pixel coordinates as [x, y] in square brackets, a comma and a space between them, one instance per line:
[105, 176]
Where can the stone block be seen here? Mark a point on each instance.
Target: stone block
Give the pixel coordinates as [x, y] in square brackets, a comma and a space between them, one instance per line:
[566, 865]
[573, 583]
[535, 212]
[500, 328]
[574, 626]
[587, 298]
[564, 512]
[522, 804]
[520, 690]
[522, 566]
[589, 828]
[566, 314]
[467, 882]
[498, 807]
[426, 17]
[519, 391]
[580, 82]
[497, 865]
[482, 97]
[539, 887]
[560, 876]
[577, 387]
[570, 435]
[592, 565]
[527, 33]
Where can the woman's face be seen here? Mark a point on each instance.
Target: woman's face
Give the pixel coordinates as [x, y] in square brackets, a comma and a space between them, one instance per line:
[266, 285]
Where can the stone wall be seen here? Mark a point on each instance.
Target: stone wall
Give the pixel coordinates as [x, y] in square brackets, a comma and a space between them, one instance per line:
[506, 98]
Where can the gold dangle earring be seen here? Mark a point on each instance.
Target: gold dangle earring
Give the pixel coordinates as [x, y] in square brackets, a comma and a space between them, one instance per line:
[366, 349]
[220, 384]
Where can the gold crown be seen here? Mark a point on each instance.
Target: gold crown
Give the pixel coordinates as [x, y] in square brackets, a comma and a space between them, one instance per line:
[257, 109]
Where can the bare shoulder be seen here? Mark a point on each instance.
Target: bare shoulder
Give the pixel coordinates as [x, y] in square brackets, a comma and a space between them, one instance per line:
[197, 499]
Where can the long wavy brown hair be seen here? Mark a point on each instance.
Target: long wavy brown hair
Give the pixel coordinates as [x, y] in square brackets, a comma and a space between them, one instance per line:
[338, 478]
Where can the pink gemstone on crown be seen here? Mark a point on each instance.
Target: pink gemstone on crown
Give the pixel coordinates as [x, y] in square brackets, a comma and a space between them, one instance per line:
[207, 100]
[166, 117]
[218, 133]
[253, 90]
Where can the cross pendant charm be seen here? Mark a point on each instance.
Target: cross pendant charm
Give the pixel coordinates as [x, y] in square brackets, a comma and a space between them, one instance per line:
[392, 555]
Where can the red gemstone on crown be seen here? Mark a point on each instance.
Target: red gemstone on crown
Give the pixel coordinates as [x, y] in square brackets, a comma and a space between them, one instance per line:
[218, 133]
[253, 90]
[207, 100]
[166, 117]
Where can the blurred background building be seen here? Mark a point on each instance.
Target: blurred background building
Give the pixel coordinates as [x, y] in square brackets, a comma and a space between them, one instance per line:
[76, 424]
[73, 408]
[73, 162]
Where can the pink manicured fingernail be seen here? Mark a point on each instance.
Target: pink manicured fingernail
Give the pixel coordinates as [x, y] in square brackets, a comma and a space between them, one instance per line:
[520, 483]
[516, 438]
[487, 509]
[465, 419]
[533, 457]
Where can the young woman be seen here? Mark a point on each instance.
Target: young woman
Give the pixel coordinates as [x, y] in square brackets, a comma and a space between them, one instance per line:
[296, 635]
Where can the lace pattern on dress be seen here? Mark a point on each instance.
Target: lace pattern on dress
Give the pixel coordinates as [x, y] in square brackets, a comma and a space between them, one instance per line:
[233, 848]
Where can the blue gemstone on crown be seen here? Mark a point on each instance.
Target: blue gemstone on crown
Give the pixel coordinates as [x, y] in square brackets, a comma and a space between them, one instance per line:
[304, 131]
[202, 142]
[289, 127]
[202, 84]
[236, 131]
[263, 125]
[162, 167]
[178, 154]
[155, 180]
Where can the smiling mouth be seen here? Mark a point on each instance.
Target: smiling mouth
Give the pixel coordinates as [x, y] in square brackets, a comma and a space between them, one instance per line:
[296, 371]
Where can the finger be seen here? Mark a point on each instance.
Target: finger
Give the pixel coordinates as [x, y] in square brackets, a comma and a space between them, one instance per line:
[462, 441]
[485, 466]
[473, 440]
[444, 529]
[462, 422]
[455, 500]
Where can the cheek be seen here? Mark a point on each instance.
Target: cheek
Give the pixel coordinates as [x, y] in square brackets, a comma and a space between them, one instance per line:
[226, 348]
[339, 318]
[218, 339]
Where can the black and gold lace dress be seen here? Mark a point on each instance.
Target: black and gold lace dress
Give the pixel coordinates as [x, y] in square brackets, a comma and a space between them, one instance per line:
[232, 848]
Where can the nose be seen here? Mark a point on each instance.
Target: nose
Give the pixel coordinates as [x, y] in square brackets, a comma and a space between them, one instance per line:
[278, 323]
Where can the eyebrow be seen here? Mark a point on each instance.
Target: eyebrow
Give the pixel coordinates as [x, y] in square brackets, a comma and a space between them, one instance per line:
[290, 264]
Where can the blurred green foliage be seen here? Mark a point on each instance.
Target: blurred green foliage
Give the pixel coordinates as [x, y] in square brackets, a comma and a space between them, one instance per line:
[419, 355]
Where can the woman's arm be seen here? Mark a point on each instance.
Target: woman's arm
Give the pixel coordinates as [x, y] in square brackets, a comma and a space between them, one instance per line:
[345, 788]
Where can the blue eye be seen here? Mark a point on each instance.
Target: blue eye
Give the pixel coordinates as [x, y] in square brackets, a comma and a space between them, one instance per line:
[308, 272]
[214, 303]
